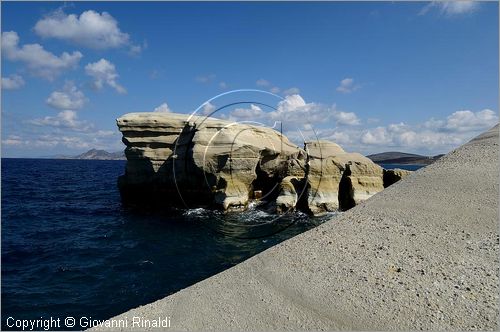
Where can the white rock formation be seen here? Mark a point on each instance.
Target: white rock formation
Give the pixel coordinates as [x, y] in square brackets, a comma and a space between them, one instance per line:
[177, 159]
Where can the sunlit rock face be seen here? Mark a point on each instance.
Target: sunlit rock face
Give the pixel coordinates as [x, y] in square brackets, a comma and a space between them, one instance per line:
[190, 161]
[338, 179]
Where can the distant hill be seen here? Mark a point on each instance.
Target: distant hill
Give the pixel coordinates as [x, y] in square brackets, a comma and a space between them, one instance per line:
[94, 154]
[402, 158]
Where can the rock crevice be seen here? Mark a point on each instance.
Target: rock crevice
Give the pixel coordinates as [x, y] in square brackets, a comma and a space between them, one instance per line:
[177, 159]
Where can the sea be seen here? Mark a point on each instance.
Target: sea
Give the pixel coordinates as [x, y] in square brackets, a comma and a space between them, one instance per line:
[70, 249]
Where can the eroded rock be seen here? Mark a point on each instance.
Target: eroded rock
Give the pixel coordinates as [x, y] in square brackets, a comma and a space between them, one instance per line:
[177, 159]
[329, 165]
[392, 176]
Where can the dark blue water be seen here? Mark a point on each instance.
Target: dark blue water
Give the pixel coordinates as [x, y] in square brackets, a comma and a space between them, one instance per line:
[69, 248]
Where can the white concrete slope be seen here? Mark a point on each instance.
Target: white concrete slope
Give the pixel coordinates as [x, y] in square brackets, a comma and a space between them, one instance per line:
[422, 254]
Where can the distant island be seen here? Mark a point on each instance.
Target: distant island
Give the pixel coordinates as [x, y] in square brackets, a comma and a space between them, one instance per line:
[402, 158]
[94, 154]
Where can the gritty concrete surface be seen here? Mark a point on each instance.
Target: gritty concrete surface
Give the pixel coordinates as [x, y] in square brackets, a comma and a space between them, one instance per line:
[422, 254]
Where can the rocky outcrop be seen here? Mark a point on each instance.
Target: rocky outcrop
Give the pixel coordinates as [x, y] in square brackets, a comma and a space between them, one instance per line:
[339, 179]
[360, 181]
[177, 159]
[392, 176]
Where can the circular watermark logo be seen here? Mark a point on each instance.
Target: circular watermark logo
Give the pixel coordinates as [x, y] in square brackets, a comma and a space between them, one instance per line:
[251, 171]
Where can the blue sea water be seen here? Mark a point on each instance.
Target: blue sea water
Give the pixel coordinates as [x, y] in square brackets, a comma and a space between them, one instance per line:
[69, 248]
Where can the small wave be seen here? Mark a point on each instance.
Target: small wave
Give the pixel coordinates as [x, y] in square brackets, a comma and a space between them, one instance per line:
[145, 262]
[198, 212]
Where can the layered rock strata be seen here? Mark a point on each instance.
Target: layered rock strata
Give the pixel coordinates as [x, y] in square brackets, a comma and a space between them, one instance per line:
[192, 161]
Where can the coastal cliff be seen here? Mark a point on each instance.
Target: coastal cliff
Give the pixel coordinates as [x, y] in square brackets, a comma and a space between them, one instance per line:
[178, 159]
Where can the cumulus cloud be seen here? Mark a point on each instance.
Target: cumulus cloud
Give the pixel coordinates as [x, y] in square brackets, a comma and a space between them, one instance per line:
[205, 78]
[223, 85]
[39, 61]
[275, 90]
[291, 91]
[471, 121]
[428, 137]
[72, 142]
[377, 136]
[294, 109]
[208, 108]
[66, 119]
[69, 98]
[163, 108]
[54, 134]
[294, 112]
[90, 29]
[13, 140]
[100, 139]
[339, 137]
[262, 83]
[451, 8]
[104, 72]
[346, 118]
[252, 113]
[347, 86]
[456, 129]
[12, 82]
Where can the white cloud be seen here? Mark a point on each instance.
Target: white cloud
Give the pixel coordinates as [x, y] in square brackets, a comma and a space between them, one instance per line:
[252, 113]
[39, 61]
[100, 139]
[13, 140]
[339, 137]
[65, 120]
[262, 83]
[72, 142]
[470, 121]
[104, 72]
[451, 8]
[294, 111]
[135, 50]
[433, 134]
[205, 78]
[291, 91]
[346, 118]
[12, 82]
[90, 29]
[155, 74]
[347, 86]
[208, 108]
[70, 98]
[223, 85]
[377, 136]
[428, 138]
[63, 133]
[275, 89]
[163, 108]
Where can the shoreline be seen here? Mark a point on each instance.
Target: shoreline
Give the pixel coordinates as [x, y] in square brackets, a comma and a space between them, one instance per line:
[422, 254]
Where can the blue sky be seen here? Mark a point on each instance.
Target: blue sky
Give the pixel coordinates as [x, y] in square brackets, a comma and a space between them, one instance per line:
[417, 77]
